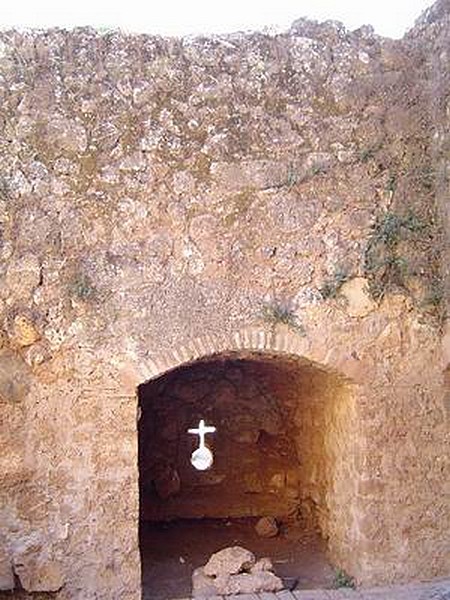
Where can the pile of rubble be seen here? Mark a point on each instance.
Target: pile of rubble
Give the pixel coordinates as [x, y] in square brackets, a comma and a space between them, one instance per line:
[234, 570]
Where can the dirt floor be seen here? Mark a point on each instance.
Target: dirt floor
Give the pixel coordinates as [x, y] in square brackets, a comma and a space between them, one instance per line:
[171, 551]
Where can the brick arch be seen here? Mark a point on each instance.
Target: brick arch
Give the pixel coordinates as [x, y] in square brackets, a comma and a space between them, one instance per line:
[335, 419]
[282, 341]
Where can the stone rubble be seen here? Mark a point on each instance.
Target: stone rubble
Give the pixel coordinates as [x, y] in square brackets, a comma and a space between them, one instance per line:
[267, 527]
[234, 570]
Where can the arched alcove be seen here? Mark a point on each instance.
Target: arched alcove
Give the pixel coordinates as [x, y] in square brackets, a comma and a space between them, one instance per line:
[283, 448]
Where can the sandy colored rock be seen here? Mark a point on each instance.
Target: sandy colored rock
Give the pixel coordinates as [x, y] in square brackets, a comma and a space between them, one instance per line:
[252, 583]
[267, 527]
[23, 276]
[241, 583]
[446, 345]
[229, 561]
[40, 577]
[24, 332]
[67, 134]
[262, 564]
[356, 292]
[234, 571]
[15, 377]
[36, 354]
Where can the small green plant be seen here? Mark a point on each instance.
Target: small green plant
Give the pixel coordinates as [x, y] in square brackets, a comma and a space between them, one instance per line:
[391, 184]
[376, 289]
[276, 313]
[82, 286]
[366, 153]
[104, 29]
[3, 189]
[318, 169]
[391, 227]
[383, 263]
[288, 181]
[292, 177]
[435, 296]
[369, 151]
[426, 177]
[331, 287]
[343, 580]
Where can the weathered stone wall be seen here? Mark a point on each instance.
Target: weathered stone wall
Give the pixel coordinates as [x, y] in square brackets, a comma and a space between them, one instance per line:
[327, 447]
[166, 200]
[433, 31]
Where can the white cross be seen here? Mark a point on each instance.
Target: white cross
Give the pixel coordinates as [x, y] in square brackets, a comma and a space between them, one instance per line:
[202, 458]
[202, 431]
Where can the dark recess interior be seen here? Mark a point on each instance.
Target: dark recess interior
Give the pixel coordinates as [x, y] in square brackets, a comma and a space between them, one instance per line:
[259, 470]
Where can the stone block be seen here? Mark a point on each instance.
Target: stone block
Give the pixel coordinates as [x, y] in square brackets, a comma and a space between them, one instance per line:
[359, 302]
[23, 276]
[285, 595]
[41, 577]
[24, 332]
[312, 595]
[15, 377]
[267, 527]
[229, 561]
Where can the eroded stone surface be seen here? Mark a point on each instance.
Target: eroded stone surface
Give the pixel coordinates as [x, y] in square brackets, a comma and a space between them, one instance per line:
[6, 572]
[15, 377]
[24, 332]
[40, 576]
[357, 293]
[168, 199]
[229, 561]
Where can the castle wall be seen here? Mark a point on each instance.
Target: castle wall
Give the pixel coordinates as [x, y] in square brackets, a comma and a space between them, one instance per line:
[164, 200]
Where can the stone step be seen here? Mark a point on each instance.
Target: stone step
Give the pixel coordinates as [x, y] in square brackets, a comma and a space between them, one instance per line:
[435, 590]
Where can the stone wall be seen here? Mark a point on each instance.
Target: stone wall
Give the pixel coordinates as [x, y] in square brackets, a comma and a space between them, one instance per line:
[327, 446]
[435, 28]
[166, 200]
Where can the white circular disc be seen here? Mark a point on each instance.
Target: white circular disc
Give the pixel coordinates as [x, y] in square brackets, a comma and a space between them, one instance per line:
[202, 459]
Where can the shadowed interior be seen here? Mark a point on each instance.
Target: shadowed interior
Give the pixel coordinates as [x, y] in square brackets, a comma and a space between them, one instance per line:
[282, 448]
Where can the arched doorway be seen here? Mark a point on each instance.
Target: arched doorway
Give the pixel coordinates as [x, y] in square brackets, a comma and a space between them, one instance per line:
[283, 448]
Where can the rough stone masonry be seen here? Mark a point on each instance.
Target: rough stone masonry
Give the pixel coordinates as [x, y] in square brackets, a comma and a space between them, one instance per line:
[167, 200]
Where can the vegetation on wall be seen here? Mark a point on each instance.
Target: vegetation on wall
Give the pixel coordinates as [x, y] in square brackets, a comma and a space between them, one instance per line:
[384, 263]
[277, 313]
[398, 243]
[331, 287]
[82, 287]
[343, 580]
